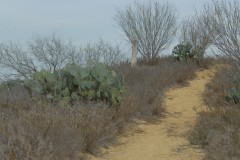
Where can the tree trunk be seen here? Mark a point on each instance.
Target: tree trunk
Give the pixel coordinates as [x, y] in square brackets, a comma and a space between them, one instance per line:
[134, 53]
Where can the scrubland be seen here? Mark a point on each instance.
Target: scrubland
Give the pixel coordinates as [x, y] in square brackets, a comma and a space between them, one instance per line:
[41, 130]
[217, 129]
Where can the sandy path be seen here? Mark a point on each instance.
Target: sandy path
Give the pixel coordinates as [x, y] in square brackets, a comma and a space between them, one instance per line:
[166, 140]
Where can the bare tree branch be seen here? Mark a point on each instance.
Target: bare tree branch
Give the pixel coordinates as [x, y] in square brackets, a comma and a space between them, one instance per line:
[74, 54]
[14, 58]
[194, 32]
[53, 53]
[102, 52]
[222, 20]
[50, 53]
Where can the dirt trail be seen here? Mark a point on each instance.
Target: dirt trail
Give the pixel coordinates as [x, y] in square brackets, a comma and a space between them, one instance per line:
[166, 140]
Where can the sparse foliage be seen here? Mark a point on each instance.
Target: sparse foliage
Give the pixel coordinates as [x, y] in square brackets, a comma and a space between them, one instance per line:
[152, 24]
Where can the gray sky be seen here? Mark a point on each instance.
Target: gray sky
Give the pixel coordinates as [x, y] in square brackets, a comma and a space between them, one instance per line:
[80, 21]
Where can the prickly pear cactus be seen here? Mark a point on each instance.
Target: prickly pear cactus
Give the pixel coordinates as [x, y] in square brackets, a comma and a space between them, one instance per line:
[182, 52]
[74, 83]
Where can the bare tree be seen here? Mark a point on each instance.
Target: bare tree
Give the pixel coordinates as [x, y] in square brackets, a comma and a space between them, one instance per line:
[74, 54]
[222, 19]
[48, 53]
[14, 58]
[194, 32]
[152, 24]
[102, 52]
[52, 52]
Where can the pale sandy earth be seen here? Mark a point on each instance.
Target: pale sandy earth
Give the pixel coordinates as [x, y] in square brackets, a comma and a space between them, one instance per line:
[167, 139]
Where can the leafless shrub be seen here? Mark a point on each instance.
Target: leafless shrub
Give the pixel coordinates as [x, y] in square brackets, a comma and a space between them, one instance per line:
[222, 20]
[102, 52]
[51, 132]
[53, 53]
[14, 58]
[50, 53]
[193, 32]
[152, 24]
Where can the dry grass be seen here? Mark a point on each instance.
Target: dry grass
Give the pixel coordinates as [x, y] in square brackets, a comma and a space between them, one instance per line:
[146, 84]
[30, 130]
[218, 131]
[41, 131]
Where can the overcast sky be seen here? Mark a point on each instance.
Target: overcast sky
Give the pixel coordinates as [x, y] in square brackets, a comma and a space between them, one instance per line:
[80, 21]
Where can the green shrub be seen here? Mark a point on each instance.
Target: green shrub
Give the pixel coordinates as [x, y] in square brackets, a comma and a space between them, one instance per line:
[74, 83]
[182, 52]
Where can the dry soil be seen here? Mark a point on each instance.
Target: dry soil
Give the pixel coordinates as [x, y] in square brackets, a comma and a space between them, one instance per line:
[167, 139]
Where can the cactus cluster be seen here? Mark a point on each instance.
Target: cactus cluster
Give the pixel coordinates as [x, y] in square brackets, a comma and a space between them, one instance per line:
[74, 83]
[185, 51]
[182, 51]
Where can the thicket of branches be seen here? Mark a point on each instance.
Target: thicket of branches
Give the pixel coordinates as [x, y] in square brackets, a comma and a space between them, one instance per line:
[217, 25]
[194, 32]
[52, 53]
[152, 24]
[102, 52]
[222, 21]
